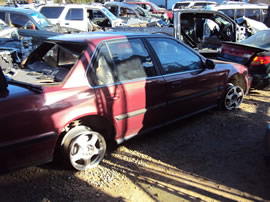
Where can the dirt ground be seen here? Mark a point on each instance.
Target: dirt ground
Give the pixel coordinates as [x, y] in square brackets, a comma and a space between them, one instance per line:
[213, 156]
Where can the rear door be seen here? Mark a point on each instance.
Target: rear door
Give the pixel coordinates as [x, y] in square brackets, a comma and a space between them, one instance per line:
[75, 19]
[191, 87]
[128, 88]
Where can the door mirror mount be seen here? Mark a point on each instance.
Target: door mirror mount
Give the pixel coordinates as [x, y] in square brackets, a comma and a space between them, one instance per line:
[209, 64]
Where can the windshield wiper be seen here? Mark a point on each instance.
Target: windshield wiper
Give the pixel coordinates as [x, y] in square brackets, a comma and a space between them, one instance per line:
[35, 88]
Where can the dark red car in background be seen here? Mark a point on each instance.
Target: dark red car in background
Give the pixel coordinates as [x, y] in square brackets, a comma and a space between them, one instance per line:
[154, 9]
[81, 93]
[254, 52]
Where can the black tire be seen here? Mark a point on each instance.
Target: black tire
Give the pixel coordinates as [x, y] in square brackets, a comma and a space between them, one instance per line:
[232, 97]
[83, 147]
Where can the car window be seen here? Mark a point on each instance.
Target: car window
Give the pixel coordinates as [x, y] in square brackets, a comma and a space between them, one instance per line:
[109, 14]
[52, 12]
[102, 68]
[264, 14]
[199, 5]
[253, 14]
[228, 12]
[112, 9]
[40, 19]
[131, 60]
[126, 12]
[181, 5]
[20, 21]
[2, 16]
[240, 13]
[75, 14]
[140, 12]
[174, 57]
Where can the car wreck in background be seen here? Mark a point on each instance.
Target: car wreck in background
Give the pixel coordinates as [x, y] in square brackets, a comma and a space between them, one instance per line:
[82, 17]
[203, 30]
[254, 52]
[154, 10]
[31, 23]
[131, 14]
[252, 26]
[13, 47]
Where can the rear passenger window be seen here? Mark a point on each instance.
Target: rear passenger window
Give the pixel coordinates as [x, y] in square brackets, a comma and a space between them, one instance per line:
[75, 14]
[131, 60]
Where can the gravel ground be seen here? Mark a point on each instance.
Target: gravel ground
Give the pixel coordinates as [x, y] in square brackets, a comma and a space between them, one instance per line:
[213, 156]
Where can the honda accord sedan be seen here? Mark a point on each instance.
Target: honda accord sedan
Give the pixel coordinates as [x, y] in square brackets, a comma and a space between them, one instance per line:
[78, 94]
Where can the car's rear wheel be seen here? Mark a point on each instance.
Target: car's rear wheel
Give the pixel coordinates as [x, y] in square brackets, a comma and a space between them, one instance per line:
[84, 148]
[233, 97]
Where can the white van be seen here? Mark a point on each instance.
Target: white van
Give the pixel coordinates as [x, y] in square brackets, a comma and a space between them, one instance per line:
[238, 9]
[192, 4]
[80, 16]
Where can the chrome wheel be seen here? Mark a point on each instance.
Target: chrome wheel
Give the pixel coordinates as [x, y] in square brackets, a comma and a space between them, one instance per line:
[85, 148]
[234, 97]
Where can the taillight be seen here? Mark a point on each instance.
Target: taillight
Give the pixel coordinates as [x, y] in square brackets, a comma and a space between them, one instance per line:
[260, 60]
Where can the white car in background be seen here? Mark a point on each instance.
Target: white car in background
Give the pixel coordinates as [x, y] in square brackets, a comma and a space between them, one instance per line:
[82, 17]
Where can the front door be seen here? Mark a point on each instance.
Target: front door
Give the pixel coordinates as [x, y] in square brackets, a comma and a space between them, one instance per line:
[191, 87]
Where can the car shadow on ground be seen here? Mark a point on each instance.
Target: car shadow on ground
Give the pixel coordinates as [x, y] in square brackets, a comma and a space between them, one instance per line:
[216, 155]
[41, 184]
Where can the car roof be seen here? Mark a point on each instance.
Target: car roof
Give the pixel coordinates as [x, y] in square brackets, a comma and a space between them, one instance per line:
[96, 37]
[238, 5]
[19, 10]
[67, 5]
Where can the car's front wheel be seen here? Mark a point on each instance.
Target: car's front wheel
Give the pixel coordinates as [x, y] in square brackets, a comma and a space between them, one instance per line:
[233, 97]
[84, 147]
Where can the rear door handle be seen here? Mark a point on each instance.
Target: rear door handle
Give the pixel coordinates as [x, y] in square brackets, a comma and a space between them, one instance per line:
[66, 23]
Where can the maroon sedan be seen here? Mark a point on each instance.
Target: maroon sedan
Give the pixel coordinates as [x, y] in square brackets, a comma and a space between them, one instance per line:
[83, 92]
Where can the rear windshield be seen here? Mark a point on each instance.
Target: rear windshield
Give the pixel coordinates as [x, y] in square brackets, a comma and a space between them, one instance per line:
[52, 12]
[260, 39]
